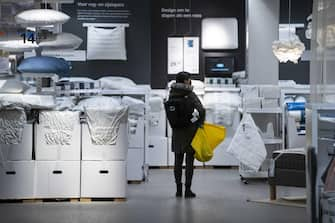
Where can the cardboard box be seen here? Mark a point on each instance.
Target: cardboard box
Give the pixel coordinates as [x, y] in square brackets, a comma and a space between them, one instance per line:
[22, 151]
[157, 123]
[135, 164]
[156, 152]
[250, 91]
[118, 151]
[45, 152]
[269, 91]
[270, 103]
[136, 139]
[17, 180]
[254, 103]
[103, 179]
[57, 179]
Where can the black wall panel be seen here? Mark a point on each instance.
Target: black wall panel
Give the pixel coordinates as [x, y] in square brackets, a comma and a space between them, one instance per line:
[162, 28]
[137, 67]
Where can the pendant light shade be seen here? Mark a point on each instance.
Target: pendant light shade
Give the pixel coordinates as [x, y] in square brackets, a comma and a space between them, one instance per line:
[289, 49]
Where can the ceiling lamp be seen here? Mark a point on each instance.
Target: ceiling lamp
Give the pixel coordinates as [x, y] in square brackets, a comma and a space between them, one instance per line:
[290, 49]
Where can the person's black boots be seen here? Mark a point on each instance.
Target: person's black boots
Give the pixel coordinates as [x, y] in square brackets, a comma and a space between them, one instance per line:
[189, 193]
[179, 192]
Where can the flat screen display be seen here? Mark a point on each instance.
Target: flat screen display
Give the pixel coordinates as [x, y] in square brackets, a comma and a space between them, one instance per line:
[219, 66]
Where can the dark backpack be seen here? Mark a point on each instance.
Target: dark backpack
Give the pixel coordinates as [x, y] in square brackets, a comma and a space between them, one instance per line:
[179, 111]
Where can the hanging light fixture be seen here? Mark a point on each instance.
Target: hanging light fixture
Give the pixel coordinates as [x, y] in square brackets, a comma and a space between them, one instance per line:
[290, 49]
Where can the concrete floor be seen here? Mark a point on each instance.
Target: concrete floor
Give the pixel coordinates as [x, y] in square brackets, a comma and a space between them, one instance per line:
[221, 198]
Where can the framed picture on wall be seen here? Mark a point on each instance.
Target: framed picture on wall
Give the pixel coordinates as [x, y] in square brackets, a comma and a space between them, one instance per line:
[183, 55]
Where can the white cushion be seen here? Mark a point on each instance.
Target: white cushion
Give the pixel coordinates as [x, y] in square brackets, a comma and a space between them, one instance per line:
[41, 17]
[116, 83]
[12, 86]
[17, 46]
[61, 41]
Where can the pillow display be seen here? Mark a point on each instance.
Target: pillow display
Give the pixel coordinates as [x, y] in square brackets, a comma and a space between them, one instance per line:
[41, 17]
[17, 46]
[98, 102]
[44, 64]
[12, 86]
[116, 83]
[61, 41]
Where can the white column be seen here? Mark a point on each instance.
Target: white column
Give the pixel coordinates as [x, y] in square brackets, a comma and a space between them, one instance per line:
[262, 29]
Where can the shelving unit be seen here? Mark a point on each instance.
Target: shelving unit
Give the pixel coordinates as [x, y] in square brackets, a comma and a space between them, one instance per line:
[277, 141]
[143, 92]
[221, 157]
[301, 91]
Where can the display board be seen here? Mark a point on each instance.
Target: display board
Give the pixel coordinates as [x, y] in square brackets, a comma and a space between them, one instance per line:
[183, 55]
[137, 37]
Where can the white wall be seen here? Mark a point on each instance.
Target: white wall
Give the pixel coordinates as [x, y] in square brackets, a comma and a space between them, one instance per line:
[262, 25]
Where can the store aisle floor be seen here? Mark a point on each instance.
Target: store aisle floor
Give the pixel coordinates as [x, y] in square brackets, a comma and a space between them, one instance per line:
[221, 198]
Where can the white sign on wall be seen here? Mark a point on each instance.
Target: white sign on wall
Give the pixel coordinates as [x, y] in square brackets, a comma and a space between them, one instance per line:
[183, 55]
[191, 55]
[175, 55]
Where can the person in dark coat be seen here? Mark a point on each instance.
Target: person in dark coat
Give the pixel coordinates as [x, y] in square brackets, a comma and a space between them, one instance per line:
[182, 137]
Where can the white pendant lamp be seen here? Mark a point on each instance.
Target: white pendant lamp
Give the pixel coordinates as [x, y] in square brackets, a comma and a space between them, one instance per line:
[288, 50]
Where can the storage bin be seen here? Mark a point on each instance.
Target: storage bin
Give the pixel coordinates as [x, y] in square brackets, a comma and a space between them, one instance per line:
[22, 151]
[103, 179]
[51, 152]
[17, 180]
[118, 151]
[57, 179]
[135, 164]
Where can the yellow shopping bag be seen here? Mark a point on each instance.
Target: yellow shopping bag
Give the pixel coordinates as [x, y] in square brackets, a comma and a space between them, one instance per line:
[206, 139]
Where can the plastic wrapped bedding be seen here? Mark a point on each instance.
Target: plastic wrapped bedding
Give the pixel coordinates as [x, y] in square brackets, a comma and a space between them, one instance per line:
[250, 91]
[64, 103]
[25, 100]
[223, 115]
[12, 86]
[136, 109]
[61, 41]
[136, 106]
[12, 122]
[104, 124]
[98, 102]
[223, 106]
[156, 104]
[59, 126]
[44, 65]
[115, 82]
[247, 144]
[223, 98]
[17, 46]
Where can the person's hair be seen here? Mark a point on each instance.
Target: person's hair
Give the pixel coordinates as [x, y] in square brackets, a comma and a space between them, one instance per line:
[182, 76]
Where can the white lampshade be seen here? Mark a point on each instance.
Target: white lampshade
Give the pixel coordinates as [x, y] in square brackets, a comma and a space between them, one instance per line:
[288, 50]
